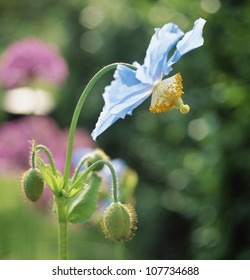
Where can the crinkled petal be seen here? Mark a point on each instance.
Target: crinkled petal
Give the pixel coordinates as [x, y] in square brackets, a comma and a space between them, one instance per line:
[156, 57]
[121, 97]
[191, 40]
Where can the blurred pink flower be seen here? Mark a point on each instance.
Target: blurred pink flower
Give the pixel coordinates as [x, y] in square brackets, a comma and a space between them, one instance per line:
[15, 136]
[31, 59]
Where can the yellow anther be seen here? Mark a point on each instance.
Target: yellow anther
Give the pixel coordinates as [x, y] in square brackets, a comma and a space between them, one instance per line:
[167, 95]
[185, 109]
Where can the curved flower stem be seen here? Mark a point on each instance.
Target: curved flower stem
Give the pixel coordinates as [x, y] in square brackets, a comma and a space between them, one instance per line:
[77, 111]
[48, 154]
[93, 167]
[79, 166]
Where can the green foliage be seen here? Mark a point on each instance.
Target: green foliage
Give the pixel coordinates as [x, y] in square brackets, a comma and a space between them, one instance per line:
[82, 206]
[193, 195]
[54, 181]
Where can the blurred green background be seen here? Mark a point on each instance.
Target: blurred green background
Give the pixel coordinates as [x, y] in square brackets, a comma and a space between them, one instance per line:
[193, 195]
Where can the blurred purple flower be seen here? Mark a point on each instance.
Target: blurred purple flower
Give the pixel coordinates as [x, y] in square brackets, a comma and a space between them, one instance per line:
[31, 59]
[15, 136]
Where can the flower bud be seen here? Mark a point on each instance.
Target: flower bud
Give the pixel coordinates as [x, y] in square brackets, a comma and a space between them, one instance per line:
[119, 222]
[33, 184]
[97, 155]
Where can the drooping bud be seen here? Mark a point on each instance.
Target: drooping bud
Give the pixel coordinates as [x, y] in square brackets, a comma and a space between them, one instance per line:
[97, 155]
[119, 222]
[33, 184]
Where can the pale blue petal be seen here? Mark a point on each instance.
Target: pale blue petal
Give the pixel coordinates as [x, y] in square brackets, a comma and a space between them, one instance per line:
[136, 64]
[131, 87]
[121, 97]
[105, 121]
[191, 40]
[156, 57]
[107, 117]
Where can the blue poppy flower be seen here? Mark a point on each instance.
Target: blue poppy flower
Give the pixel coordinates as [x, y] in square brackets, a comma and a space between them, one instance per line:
[131, 87]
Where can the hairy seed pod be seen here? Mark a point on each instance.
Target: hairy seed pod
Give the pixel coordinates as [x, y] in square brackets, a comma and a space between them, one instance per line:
[119, 222]
[33, 184]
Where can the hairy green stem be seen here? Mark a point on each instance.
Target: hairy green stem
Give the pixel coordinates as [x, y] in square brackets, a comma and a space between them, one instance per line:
[49, 155]
[79, 166]
[76, 114]
[33, 164]
[92, 168]
[62, 228]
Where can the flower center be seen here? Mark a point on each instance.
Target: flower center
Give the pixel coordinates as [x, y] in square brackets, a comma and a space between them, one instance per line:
[167, 95]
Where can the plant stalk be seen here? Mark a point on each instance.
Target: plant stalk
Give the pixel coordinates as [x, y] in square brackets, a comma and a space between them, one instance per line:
[62, 228]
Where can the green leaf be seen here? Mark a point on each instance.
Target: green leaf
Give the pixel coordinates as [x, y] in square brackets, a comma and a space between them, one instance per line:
[54, 181]
[82, 206]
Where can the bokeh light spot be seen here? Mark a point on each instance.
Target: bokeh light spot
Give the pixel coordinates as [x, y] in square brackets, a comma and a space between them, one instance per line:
[193, 161]
[198, 129]
[219, 93]
[91, 41]
[130, 19]
[178, 179]
[210, 6]
[91, 17]
[206, 237]
[179, 202]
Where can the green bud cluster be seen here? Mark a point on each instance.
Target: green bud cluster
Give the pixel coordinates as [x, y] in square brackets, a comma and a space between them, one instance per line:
[119, 222]
[33, 184]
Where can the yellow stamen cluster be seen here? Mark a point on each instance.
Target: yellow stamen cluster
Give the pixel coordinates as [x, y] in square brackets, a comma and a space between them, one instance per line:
[167, 95]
